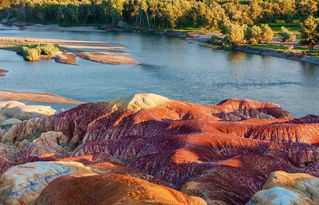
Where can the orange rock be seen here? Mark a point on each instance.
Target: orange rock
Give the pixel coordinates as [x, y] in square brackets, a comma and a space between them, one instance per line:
[111, 189]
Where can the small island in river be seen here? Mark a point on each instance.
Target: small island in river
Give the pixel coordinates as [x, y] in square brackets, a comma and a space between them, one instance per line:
[65, 51]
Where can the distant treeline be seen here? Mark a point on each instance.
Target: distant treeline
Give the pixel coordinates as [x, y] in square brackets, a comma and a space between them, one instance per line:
[157, 13]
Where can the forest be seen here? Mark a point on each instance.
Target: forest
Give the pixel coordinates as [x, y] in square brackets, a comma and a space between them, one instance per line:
[208, 14]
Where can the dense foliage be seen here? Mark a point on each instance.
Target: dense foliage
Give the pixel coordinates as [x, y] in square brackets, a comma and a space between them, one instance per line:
[243, 34]
[310, 32]
[157, 13]
[34, 51]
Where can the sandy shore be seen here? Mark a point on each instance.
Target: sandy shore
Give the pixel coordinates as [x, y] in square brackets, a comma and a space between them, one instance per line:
[273, 53]
[35, 97]
[107, 58]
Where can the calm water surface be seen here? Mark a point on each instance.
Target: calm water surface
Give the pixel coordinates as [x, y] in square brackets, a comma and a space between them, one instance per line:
[171, 67]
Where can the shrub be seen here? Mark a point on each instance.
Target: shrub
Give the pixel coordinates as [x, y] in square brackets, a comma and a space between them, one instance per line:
[30, 54]
[266, 34]
[253, 34]
[49, 49]
[34, 51]
[258, 34]
[236, 34]
[286, 35]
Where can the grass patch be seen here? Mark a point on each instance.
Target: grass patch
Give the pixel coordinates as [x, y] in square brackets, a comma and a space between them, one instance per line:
[33, 52]
[275, 47]
[294, 26]
[193, 29]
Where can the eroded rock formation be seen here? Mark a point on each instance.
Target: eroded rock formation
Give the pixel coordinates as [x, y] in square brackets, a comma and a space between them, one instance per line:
[125, 190]
[289, 189]
[222, 153]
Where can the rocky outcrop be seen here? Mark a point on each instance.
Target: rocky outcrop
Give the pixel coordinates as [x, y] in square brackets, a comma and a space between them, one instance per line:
[23, 183]
[125, 190]
[48, 142]
[20, 111]
[289, 189]
[223, 153]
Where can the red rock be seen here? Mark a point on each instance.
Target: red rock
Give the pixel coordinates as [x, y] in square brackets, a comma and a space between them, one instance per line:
[223, 153]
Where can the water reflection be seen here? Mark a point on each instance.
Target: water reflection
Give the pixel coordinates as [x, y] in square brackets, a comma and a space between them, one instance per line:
[236, 58]
[310, 72]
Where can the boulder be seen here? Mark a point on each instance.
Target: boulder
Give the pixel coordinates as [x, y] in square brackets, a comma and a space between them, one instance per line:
[20, 111]
[111, 189]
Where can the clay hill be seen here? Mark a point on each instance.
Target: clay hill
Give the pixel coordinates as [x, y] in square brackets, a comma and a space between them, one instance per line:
[148, 149]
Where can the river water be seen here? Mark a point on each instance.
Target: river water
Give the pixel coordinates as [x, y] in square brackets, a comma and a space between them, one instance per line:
[172, 67]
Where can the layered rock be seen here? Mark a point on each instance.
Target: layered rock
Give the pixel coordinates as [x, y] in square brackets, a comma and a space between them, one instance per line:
[125, 190]
[289, 189]
[12, 112]
[21, 184]
[223, 153]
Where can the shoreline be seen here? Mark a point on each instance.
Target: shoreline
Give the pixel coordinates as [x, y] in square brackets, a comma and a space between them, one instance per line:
[270, 52]
[193, 36]
[206, 39]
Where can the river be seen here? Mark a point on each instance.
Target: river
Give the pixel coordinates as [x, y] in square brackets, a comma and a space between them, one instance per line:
[172, 67]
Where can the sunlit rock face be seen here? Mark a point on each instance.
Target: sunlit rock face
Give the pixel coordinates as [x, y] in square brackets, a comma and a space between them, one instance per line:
[223, 153]
[124, 190]
[288, 189]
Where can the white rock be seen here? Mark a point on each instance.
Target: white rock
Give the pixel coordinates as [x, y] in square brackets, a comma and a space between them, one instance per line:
[23, 183]
[20, 111]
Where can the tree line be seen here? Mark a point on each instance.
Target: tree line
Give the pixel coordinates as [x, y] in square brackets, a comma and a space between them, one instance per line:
[212, 14]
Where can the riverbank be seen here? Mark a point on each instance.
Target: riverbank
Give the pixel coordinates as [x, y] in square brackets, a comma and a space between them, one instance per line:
[202, 37]
[193, 36]
[279, 54]
[206, 38]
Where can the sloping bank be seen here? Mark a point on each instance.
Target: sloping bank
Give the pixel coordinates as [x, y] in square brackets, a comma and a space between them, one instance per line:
[273, 53]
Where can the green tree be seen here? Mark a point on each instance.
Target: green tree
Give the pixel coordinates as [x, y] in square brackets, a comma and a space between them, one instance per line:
[310, 32]
[306, 7]
[115, 8]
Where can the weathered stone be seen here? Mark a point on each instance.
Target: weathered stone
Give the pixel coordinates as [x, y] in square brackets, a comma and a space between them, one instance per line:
[288, 189]
[23, 183]
[20, 111]
[111, 189]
